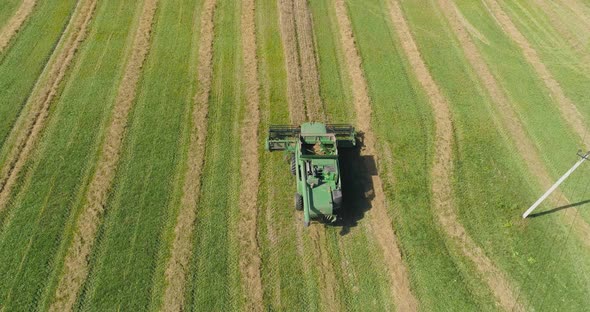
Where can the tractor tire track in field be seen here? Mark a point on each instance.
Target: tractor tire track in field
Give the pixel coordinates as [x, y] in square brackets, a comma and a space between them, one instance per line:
[43, 97]
[297, 37]
[567, 108]
[308, 62]
[510, 120]
[76, 262]
[442, 169]
[294, 82]
[381, 224]
[250, 170]
[178, 264]
[15, 23]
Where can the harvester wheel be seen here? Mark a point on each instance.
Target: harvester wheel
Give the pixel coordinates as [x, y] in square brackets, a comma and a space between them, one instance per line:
[293, 165]
[298, 202]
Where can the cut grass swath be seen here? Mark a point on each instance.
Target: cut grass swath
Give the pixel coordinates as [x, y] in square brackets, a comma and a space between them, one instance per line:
[39, 223]
[216, 284]
[8, 10]
[14, 24]
[147, 190]
[378, 223]
[402, 121]
[277, 227]
[250, 170]
[33, 124]
[567, 108]
[22, 65]
[76, 260]
[443, 167]
[179, 261]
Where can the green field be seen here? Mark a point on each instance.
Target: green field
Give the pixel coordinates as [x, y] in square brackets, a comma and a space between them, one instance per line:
[50, 157]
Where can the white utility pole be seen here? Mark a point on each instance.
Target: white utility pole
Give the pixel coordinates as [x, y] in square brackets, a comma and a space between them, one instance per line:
[556, 185]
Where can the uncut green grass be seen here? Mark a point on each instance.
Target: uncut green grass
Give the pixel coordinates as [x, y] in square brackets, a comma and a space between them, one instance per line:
[22, 62]
[214, 281]
[31, 249]
[7, 10]
[362, 277]
[403, 122]
[556, 143]
[128, 256]
[287, 284]
[490, 177]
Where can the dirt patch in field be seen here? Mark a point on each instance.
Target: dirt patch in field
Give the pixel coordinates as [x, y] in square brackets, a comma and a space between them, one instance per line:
[294, 82]
[308, 62]
[178, 264]
[15, 23]
[76, 261]
[442, 170]
[567, 108]
[250, 171]
[380, 222]
[43, 97]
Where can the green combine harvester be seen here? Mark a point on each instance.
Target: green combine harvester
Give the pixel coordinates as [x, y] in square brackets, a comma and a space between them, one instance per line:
[313, 150]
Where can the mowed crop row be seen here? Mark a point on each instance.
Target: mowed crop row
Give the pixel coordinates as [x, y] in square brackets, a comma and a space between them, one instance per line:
[49, 192]
[133, 173]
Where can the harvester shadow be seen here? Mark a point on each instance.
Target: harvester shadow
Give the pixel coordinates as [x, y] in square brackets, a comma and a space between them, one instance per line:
[550, 211]
[357, 186]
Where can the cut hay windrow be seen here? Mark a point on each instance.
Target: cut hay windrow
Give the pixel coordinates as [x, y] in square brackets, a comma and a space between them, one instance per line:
[505, 108]
[294, 80]
[568, 109]
[76, 261]
[380, 221]
[442, 169]
[178, 264]
[250, 169]
[15, 23]
[300, 37]
[40, 103]
[308, 62]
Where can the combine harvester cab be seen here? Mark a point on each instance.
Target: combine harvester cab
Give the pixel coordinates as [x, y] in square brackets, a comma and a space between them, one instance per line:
[313, 150]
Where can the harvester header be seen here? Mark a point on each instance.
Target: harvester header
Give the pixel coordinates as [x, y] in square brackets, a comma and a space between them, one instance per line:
[313, 150]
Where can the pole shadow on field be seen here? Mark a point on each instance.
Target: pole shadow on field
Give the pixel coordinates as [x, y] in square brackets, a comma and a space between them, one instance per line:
[573, 205]
[357, 186]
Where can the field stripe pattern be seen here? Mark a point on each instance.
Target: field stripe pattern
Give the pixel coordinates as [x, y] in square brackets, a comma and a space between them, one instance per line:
[567, 108]
[39, 223]
[522, 141]
[442, 169]
[76, 262]
[42, 101]
[380, 221]
[15, 23]
[250, 170]
[178, 264]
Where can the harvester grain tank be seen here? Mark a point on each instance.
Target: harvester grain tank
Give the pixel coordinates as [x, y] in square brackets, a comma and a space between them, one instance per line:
[313, 153]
